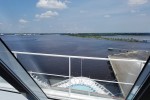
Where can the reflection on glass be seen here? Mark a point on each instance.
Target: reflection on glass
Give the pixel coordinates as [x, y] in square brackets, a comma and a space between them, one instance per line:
[18, 71]
[4, 85]
[66, 69]
[143, 77]
[4, 95]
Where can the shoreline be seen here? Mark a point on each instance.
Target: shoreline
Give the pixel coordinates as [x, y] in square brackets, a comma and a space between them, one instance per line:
[99, 36]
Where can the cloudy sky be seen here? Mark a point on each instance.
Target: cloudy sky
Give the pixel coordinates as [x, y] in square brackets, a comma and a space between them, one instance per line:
[60, 16]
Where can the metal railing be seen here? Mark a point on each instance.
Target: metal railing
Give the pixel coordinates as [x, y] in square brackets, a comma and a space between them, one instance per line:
[77, 57]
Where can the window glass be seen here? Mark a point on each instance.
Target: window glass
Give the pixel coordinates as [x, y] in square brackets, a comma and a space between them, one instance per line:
[11, 96]
[78, 48]
[4, 85]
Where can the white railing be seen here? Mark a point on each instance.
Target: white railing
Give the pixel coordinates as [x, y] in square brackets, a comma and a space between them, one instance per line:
[77, 57]
[38, 73]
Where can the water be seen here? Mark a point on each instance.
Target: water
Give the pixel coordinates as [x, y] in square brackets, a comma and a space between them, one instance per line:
[67, 45]
[83, 88]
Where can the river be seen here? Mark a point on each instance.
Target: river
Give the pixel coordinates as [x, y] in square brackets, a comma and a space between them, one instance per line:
[67, 45]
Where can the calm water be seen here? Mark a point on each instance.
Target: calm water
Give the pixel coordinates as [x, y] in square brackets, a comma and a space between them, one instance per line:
[59, 44]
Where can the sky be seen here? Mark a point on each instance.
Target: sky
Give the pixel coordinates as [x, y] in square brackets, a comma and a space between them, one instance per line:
[74, 16]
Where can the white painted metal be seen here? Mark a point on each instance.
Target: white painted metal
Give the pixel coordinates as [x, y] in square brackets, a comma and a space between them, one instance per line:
[48, 74]
[84, 81]
[69, 74]
[78, 57]
[91, 79]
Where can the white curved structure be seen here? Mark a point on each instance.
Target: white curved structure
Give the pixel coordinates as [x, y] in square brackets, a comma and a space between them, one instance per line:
[40, 82]
[84, 82]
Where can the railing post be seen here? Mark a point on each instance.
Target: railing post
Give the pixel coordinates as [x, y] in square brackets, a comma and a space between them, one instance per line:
[69, 76]
[81, 67]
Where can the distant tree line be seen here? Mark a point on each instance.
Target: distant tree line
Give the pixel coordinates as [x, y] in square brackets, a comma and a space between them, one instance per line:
[102, 36]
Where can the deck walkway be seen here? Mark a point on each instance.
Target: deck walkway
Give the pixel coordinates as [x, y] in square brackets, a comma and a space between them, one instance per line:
[125, 72]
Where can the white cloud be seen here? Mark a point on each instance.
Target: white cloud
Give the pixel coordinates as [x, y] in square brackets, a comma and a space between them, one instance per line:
[23, 21]
[47, 14]
[1, 23]
[137, 2]
[52, 4]
[107, 16]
